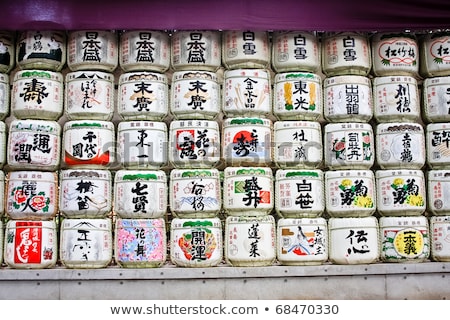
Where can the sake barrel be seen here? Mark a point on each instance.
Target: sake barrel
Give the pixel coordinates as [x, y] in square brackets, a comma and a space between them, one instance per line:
[401, 192]
[3, 143]
[196, 243]
[140, 194]
[144, 50]
[195, 94]
[400, 145]
[245, 49]
[298, 96]
[396, 98]
[440, 235]
[4, 95]
[434, 55]
[438, 191]
[37, 94]
[299, 193]
[194, 143]
[89, 95]
[2, 199]
[248, 191]
[30, 244]
[436, 99]
[85, 193]
[31, 195]
[41, 49]
[354, 240]
[404, 239]
[437, 145]
[34, 145]
[140, 243]
[142, 144]
[349, 145]
[86, 243]
[92, 50]
[250, 241]
[302, 241]
[350, 193]
[88, 144]
[1, 242]
[195, 193]
[7, 51]
[143, 96]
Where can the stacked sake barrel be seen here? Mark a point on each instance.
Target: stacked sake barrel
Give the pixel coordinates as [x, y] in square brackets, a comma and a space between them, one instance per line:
[33, 151]
[400, 148]
[434, 69]
[88, 150]
[349, 151]
[194, 150]
[302, 233]
[247, 135]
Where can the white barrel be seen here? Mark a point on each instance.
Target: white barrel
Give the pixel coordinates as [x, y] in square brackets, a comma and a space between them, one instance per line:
[142, 144]
[349, 145]
[247, 141]
[194, 143]
[298, 96]
[440, 236]
[1, 241]
[140, 194]
[196, 50]
[41, 49]
[31, 195]
[31, 244]
[345, 53]
[348, 98]
[4, 95]
[250, 241]
[400, 145]
[299, 193]
[196, 242]
[143, 96]
[395, 54]
[295, 51]
[86, 243]
[2, 199]
[34, 145]
[350, 193]
[92, 50]
[7, 52]
[438, 145]
[298, 144]
[404, 239]
[396, 98]
[3, 143]
[37, 94]
[195, 193]
[245, 49]
[89, 95]
[88, 143]
[144, 50]
[85, 193]
[438, 191]
[302, 241]
[354, 240]
[140, 243]
[434, 55]
[195, 95]
[247, 93]
[248, 191]
[401, 192]
[436, 99]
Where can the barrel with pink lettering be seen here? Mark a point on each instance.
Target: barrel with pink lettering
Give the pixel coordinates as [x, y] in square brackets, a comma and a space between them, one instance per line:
[140, 243]
[31, 244]
[440, 236]
[196, 243]
[302, 241]
[85, 193]
[250, 241]
[438, 191]
[434, 54]
[245, 49]
[92, 50]
[31, 195]
[144, 50]
[86, 243]
[7, 51]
